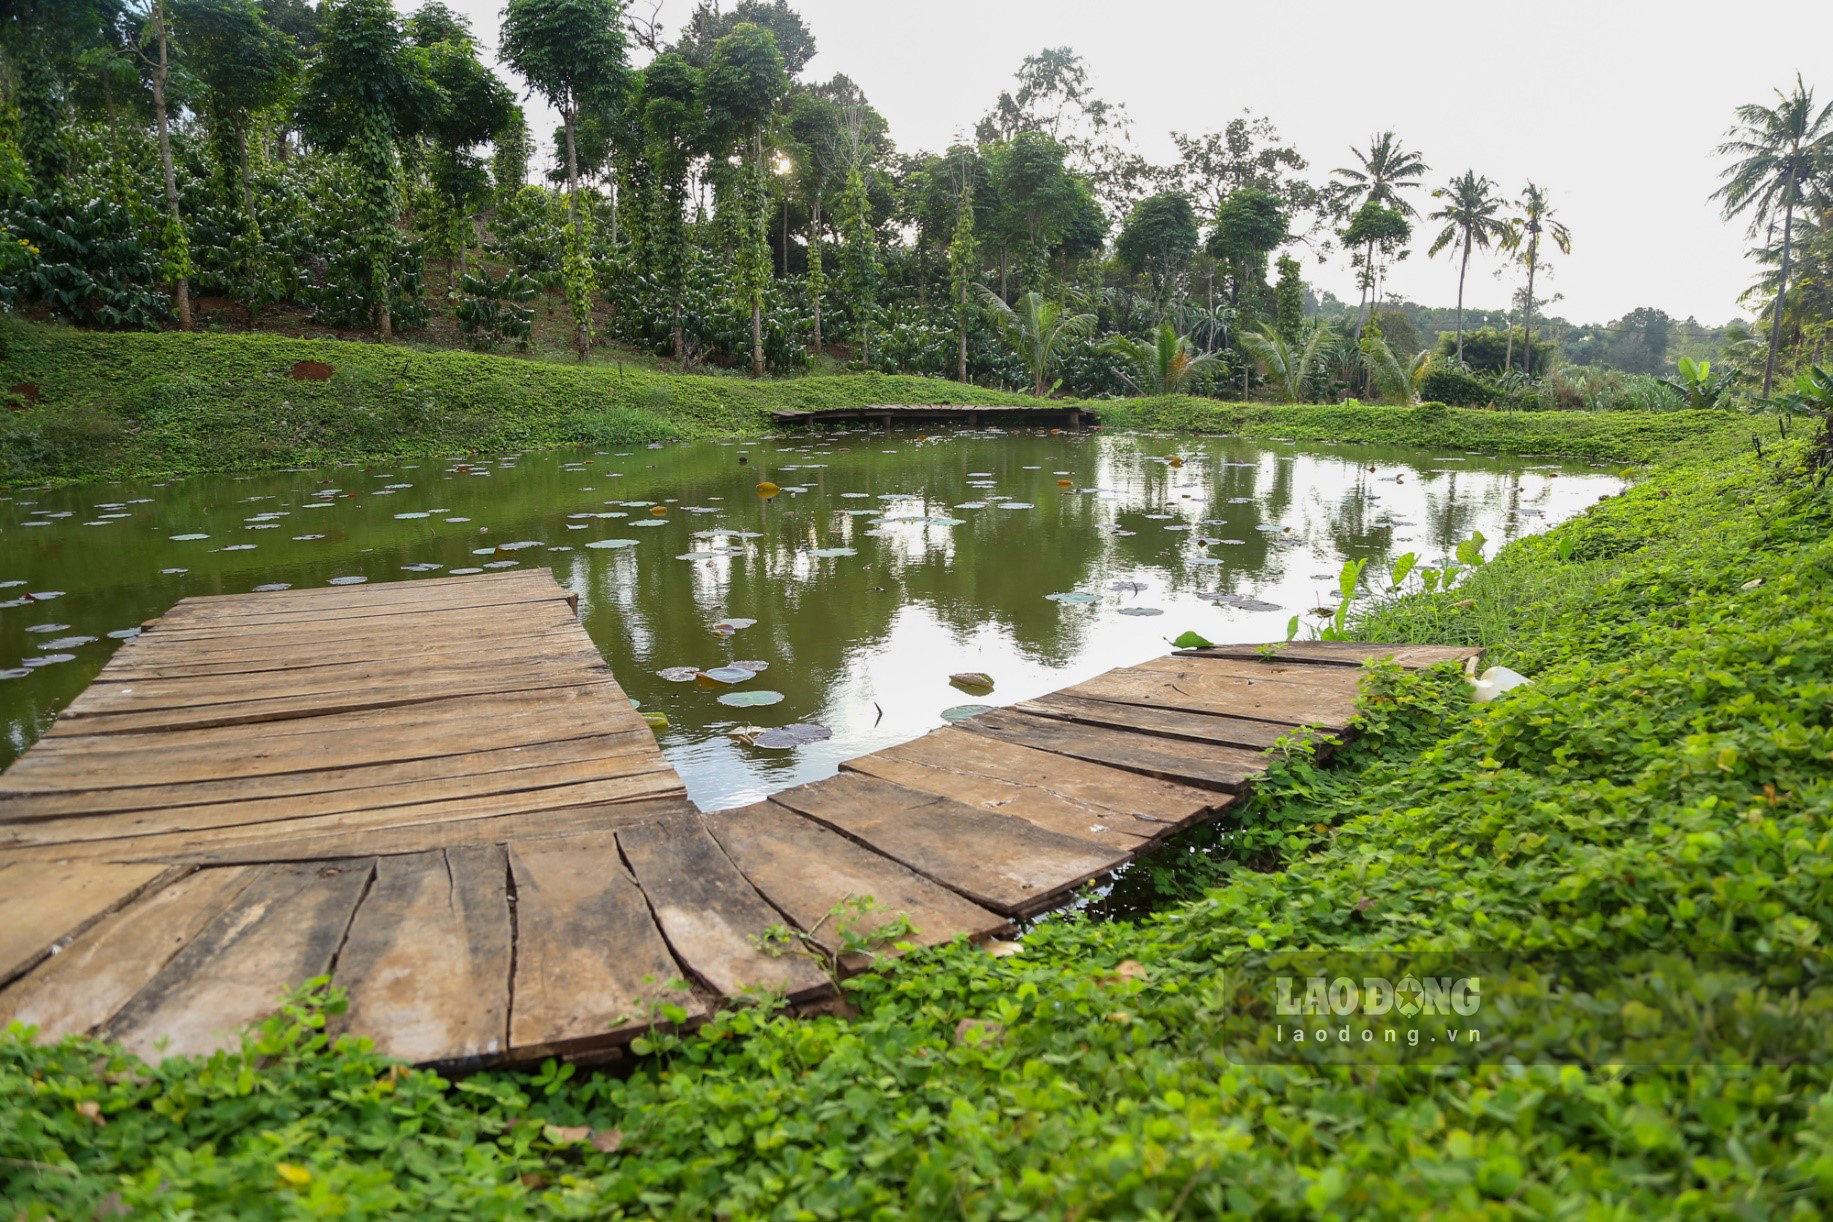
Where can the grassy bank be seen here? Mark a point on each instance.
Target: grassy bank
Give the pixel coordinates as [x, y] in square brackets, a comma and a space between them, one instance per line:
[90, 405]
[1654, 806]
[117, 405]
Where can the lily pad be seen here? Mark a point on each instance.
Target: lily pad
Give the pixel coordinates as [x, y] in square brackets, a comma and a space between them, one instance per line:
[974, 681]
[1074, 597]
[273, 587]
[16, 672]
[1016, 505]
[679, 674]
[734, 624]
[727, 675]
[67, 642]
[348, 581]
[656, 721]
[609, 544]
[752, 665]
[1192, 640]
[828, 553]
[1127, 587]
[1141, 611]
[783, 737]
[187, 538]
[754, 699]
[961, 712]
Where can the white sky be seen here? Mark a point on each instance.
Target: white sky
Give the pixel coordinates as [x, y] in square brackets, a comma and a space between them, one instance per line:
[1614, 106]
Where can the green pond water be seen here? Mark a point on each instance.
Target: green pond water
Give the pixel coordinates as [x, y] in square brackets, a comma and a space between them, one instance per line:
[886, 564]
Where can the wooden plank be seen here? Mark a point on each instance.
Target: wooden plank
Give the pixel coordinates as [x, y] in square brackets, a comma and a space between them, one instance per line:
[1341, 653]
[43, 903]
[1148, 805]
[359, 616]
[1201, 764]
[81, 987]
[809, 872]
[1335, 679]
[522, 827]
[427, 960]
[997, 861]
[713, 918]
[533, 583]
[368, 736]
[468, 648]
[282, 930]
[112, 696]
[592, 971]
[231, 633]
[294, 707]
[375, 785]
[1166, 723]
[1191, 690]
[78, 841]
[1040, 807]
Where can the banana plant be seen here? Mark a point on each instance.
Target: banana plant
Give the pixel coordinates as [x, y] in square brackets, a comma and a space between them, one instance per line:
[1698, 385]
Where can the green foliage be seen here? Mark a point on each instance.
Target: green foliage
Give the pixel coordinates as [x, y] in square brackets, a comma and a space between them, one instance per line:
[859, 268]
[1446, 383]
[1654, 799]
[1037, 331]
[1289, 299]
[1158, 239]
[1489, 349]
[1699, 387]
[495, 308]
[1163, 365]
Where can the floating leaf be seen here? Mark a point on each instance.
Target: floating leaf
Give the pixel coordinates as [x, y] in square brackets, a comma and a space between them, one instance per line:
[17, 672]
[766, 489]
[1127, 587]
[187, 538]
[725, 674]
[273, 587]
[1141, 611]
[828, 553]
[733, 624]
[961, 712]
[1191, 640]
[754, 699]
[659, 510]
[656, 721]
[975, 681]
[348, 581]
[792, 736]
[1016, 505]
[1073, 596]
[680, 674]
[752, 665]
[608, 544]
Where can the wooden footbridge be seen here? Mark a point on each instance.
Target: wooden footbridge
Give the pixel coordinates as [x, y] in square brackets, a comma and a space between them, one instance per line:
[968, 415]
[435, 793]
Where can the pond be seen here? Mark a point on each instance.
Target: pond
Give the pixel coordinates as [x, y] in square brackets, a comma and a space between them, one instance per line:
[886, 563]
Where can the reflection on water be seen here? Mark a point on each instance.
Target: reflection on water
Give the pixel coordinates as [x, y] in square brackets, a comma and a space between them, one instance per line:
[885, 564]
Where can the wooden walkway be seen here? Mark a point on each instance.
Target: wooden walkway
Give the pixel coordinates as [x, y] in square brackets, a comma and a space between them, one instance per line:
[436, 794]
[965, 415]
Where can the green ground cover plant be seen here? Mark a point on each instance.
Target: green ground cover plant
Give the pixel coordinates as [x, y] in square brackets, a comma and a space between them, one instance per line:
[1657, 799]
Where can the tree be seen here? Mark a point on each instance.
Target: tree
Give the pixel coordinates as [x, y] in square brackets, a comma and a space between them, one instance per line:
[1036, 202]
[1472, 220]
[963, 268]
[514, 147]
[572, 53]
[743, 82]
[1250, 226]
[1055, 99]
[1380, 174]
[471, 108]
[672, 121]
[1246, 153]
[174, 243]
[1535, 221]
[1035, 329]
[795, 42]
[859, 270]
[813, 135]
[1163, 365]
[1290, 365]
[1289, 300]
[364, 95]
[1158, 239]
[1376, 233]
[1778, 155]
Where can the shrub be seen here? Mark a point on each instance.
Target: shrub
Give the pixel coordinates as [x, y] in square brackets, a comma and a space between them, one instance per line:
[1448, 384]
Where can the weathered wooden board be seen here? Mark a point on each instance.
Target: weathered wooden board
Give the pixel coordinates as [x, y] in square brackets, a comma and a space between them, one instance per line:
[427, 960]
[42, 903]
[1148, 805]
[592, 970]
[1340, 653]
[715, 921]
[82, 986]
[816, 877]
[998, 861]
[1193, 690]
[283, 929]
[1166, 723]
[1204, 765]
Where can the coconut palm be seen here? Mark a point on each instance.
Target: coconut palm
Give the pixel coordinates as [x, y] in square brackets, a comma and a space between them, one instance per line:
[1035, 329]
[1164, 364]
[1291, 367]
[1778, 153]
[1385, 170]
[1536, 221]
[1472, 220]
[1391, 379]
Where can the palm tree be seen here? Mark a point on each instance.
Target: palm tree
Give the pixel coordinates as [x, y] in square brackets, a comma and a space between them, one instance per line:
[1291, 367]
[1034, 328]
[1471, 220]
[1164, 364]
[1535, 222]
[1779, 151]
[1386, 169]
